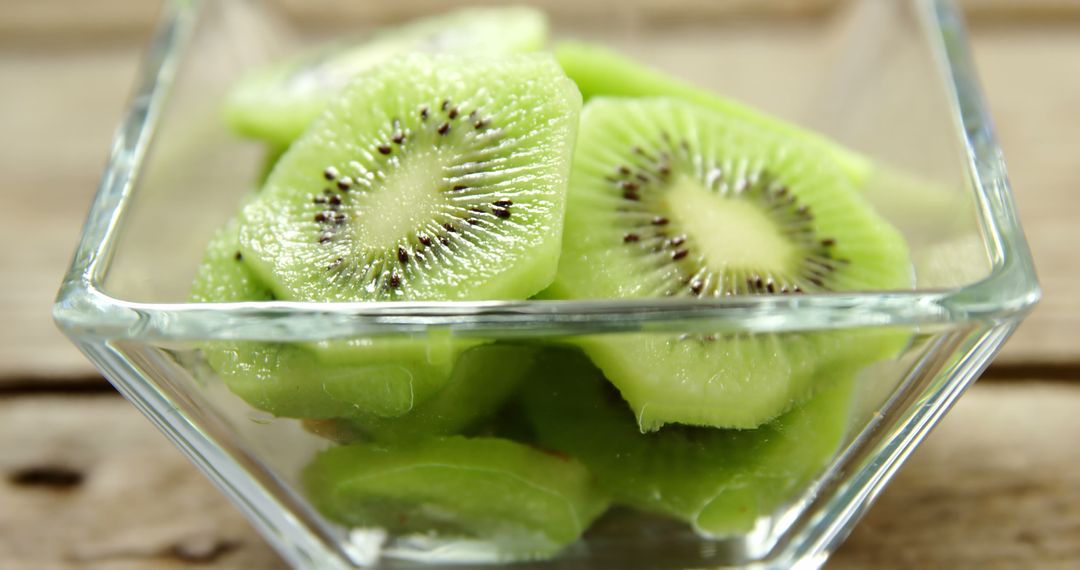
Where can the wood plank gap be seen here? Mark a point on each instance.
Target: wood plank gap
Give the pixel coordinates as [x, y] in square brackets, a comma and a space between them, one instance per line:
[1024, 371]
[87, 385]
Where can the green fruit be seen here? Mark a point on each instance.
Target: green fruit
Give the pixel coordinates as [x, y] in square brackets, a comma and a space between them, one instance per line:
[599, 71]
[522, 502]
[279, 101]
[720, 481]
[386, 379]
[483, 378]
[669, 199]
[431, 178]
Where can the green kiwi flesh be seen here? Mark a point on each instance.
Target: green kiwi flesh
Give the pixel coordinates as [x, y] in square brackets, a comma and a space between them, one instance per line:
[670, 199]
[525, 502]
[385, 379]
[482, 380]
[430, 178]
[599, 71]
[277, 102]
[719, 480]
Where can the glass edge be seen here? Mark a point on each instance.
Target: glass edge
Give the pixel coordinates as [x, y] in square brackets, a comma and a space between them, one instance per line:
[1012, 284]
[1011, 290]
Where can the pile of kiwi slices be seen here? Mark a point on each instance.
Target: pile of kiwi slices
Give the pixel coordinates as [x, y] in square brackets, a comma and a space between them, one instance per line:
[452, 159]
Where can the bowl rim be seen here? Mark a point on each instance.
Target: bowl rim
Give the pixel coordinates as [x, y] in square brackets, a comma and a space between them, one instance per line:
[1008, 292]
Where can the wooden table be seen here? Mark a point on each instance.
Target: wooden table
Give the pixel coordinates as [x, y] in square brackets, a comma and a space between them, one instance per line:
[85, 482]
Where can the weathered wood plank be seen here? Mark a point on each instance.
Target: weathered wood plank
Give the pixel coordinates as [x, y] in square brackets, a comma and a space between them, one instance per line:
[1031, 76]
[59, 110]
[139, 504]
[997, 485]
[107, 20]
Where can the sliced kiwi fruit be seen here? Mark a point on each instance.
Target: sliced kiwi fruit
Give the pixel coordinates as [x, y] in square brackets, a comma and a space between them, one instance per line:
[721, 481]
[599, 71]
[399, 376]
[430, 178]
[483, 378]
[277, 102]
[670, 199]
[523, 502]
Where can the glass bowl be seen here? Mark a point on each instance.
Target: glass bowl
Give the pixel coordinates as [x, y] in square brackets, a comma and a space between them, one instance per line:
[892, 80]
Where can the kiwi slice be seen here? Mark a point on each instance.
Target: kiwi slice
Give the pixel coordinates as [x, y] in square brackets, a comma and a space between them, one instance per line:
[523, 502]
[599, 71]
[483, 378]
[721, 481]
[290, 380]
[670, 199]
[430, 178]
[278, 102]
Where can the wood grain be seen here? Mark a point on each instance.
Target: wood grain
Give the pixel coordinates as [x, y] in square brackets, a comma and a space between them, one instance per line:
[1031, 76]
[995, 486]
[54, 21]
[59, 109]
[139, 505]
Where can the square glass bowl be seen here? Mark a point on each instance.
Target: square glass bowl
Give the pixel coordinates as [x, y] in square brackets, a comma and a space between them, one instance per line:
[892, 80]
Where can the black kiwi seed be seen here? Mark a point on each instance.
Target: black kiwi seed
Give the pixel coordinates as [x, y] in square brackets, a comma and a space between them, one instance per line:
[384, 148]
[631, 237]
[828, 242]
[423, 114]
[677, 255]
[460, 187]
[660, 221]
[501, 212]
[319, 200]
[480, 124]
[445, 240]
[398, 138]
[445, 104]
[239, 256]
[335, 200]
[394, 281]
[344, 183]
[424, 239]
[449, 227]
[443, 128]
[325, 238]
[322, 216]
[330, 173]
[402, 255]
[503, 203]
[453, 113]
